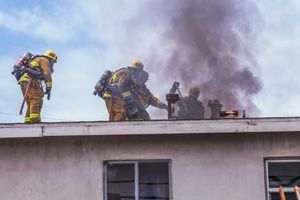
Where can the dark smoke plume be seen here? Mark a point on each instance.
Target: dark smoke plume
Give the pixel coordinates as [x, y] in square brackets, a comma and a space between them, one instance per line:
[213, 44]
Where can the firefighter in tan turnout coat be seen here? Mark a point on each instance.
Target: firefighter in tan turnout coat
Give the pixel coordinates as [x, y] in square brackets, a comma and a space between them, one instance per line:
[34, 97]
[128, 96]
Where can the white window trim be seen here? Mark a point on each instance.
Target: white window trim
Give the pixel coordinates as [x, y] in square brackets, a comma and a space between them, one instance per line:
[277, 160]
[136, 180]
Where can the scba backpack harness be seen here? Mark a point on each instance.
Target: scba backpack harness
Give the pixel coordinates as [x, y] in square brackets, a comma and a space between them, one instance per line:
[23, 66]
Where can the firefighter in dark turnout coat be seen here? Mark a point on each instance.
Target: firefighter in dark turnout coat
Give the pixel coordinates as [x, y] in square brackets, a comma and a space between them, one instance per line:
[190, 107]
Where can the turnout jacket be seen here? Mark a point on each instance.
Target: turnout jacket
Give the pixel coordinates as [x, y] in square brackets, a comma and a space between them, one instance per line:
[126, 84]
[45, 66]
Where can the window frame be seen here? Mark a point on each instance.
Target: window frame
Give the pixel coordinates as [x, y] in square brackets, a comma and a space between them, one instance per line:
[136, 174]
[268, 160]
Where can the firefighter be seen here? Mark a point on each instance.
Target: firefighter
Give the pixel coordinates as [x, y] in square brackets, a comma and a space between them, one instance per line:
[127, 94]
[215, 107]
[190, 107]
[34, 98]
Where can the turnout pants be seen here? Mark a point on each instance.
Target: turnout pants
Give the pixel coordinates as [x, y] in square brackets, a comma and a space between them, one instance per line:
[117, 110]
[34, 101]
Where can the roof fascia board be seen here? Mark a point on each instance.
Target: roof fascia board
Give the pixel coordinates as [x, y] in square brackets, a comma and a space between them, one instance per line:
[258, 125]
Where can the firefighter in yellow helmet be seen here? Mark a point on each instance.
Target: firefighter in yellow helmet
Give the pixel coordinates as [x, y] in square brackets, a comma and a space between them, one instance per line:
[128, 96]
[39, 69]
[190, 107]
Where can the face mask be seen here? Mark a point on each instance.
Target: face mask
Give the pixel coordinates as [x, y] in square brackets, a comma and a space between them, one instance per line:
[142, 77]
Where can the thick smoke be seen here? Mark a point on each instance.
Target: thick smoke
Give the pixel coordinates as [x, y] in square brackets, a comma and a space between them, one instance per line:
[213, 44]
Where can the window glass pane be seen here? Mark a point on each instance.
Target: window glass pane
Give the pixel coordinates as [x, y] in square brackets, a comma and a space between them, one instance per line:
[288, 196]
[286, 174]
[153, 181]
[120, 181]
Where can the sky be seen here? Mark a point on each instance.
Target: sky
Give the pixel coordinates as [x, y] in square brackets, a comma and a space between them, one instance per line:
[92, 36]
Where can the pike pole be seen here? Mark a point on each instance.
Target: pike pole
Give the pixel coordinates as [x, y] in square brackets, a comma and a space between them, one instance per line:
[110, 109]
[184, 104]
[25, 95]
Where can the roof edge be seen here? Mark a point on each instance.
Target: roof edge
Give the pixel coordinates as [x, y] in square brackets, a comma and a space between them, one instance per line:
[155, 127]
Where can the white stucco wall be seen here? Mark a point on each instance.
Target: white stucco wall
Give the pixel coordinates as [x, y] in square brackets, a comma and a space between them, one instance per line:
[211, 166]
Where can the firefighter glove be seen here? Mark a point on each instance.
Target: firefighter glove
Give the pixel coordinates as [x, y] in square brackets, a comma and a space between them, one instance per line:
[48, 92]
[164, 106]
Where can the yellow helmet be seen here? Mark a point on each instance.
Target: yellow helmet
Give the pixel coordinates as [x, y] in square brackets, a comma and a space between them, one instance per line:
[194, 91]
[137, 64]
[51, 54]
[214, 101]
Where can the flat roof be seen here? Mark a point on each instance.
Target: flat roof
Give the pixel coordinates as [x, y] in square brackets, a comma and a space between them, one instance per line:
[155, 127]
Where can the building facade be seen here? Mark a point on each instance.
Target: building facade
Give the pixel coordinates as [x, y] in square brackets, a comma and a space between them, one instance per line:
[229, 159]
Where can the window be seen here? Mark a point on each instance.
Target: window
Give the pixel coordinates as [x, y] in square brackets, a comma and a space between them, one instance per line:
[137, 180]
[285, 173]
